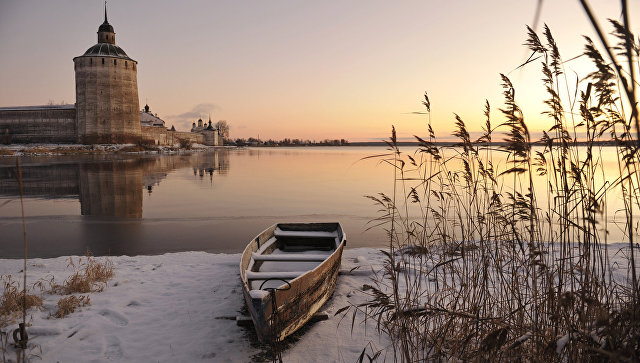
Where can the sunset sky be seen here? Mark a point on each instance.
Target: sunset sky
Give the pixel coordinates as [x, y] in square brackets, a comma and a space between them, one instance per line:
[312, 70]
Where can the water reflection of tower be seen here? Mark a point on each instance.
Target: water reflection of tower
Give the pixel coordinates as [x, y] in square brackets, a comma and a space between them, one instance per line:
[111, 188]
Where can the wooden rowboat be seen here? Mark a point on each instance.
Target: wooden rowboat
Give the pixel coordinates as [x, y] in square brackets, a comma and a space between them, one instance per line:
[295, 263]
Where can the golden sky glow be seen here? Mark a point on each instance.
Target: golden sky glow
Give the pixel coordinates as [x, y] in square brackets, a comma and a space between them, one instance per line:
[313, 70]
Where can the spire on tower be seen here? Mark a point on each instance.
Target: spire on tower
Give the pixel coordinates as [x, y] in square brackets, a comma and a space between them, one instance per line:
[106, 34]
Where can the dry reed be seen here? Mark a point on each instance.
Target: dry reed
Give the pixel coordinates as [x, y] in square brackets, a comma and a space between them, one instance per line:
[482, 265]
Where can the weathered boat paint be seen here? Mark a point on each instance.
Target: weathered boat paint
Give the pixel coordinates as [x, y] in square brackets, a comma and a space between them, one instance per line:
[306, 295]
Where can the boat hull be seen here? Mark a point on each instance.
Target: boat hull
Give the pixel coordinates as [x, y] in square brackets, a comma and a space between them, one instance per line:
[297, 301]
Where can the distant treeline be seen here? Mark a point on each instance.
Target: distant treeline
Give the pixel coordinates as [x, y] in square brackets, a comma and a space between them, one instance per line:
[342, 142]
[494, 143]
[289, 142]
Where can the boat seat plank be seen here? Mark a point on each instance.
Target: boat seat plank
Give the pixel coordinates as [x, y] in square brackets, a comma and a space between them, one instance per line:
[265, 244]
[310, 234]
[289, 257]
[284, 275]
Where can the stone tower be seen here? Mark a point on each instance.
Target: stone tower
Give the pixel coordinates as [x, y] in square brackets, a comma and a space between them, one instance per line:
[106, 92]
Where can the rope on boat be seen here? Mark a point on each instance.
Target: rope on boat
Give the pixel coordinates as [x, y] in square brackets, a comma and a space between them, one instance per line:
[20, 336]
[276, 348]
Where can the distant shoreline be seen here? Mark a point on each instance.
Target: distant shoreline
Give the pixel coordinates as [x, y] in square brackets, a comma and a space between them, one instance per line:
[98, 149]
[81, 149]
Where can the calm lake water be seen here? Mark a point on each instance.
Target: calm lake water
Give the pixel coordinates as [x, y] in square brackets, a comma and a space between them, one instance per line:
[212, 201]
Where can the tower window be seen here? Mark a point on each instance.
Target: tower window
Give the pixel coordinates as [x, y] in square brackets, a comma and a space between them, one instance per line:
[102, 60]
[125, 64]
[114, 62]
[91, 61]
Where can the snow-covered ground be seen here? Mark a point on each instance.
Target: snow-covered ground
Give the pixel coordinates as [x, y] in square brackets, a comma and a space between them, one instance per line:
[181, 307]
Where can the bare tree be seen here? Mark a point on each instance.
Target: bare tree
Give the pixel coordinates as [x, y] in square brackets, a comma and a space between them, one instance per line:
[223, 128]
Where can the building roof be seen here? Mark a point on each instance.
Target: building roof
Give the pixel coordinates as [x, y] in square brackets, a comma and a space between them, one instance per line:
[41, 107]
[106, 50]
[147, 118]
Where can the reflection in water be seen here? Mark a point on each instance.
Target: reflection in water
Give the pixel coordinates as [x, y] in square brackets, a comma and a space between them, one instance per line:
[112, 189]
[52, 180]
[150, 204]
[109, 186]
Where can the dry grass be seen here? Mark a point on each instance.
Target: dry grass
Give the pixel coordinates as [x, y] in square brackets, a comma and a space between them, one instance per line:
[482, 265]
[69, 304]
[12, 300]
[76, 150]
[6, 152]
[89, 275]
[131, 149]
[142, 145]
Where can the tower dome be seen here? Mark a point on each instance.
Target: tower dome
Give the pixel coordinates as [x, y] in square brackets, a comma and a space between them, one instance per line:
[106, 27]
[106, 34]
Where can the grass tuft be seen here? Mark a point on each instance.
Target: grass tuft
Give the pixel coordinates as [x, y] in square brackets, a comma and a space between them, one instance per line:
[89, 275]
[12, 299]
[69, 304]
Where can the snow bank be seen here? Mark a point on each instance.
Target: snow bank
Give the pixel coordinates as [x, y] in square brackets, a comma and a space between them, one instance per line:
[181, 307]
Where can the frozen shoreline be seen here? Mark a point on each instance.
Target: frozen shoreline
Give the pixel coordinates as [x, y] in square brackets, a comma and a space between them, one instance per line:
[97, 149]
[179, 307]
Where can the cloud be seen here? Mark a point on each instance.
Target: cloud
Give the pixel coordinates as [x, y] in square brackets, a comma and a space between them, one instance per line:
[197, 111]
[184, 120]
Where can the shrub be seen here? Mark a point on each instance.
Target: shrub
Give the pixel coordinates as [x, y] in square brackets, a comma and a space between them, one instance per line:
[185, 144]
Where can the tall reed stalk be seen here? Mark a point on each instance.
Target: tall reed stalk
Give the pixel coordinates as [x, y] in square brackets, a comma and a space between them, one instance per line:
[483, 263]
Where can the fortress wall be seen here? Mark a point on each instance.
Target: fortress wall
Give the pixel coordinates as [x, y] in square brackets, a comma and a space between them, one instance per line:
[162, 136]
[211, 138]
[155, 134]
[38, 124]
[193, 137]
[107, 99]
